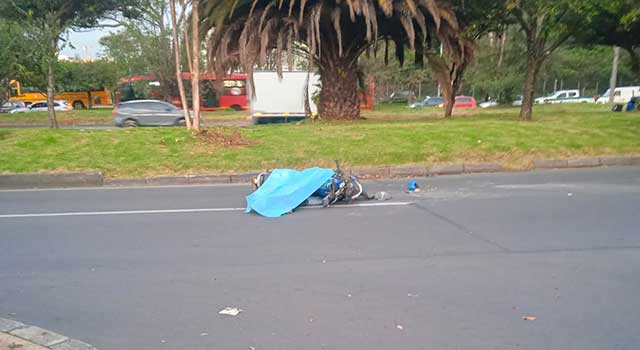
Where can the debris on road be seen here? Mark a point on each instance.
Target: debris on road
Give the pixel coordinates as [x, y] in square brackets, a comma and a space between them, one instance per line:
[204, 334]
[529, 318]
[413, 186]
[382, 196]
[230, 311]
[399, 326]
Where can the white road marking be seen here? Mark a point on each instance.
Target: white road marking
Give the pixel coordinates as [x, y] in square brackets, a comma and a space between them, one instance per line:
[174, 211]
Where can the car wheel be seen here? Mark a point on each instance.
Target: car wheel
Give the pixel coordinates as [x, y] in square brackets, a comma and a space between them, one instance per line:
[236, 107]
[78, 105]
[130, 123]
[181, 122]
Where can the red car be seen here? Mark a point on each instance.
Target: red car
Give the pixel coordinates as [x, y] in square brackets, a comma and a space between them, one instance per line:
[465, 101]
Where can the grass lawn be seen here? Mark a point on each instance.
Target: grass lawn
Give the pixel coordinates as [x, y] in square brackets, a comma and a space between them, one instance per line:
[412, 138]
[98, 116]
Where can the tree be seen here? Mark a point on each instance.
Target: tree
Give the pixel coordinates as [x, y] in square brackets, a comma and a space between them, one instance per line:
[15, 55]
[195, 66]
[332, 33]
[177, 61]
[497, 69]
[546, 24]
[476, 19]
[86, 76]
[51, 20]
[143, 43]
[614, 23]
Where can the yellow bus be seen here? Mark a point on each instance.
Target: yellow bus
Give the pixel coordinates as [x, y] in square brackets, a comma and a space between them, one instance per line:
[77, 98]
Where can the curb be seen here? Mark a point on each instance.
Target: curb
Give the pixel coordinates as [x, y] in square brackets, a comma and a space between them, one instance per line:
[20, 334]
[51, 180]
[96, 179]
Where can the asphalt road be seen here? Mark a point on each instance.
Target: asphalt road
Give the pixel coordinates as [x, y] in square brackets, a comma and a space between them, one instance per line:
[458, 268]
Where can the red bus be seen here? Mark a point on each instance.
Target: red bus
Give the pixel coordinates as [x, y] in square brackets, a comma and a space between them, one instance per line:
[148, 86]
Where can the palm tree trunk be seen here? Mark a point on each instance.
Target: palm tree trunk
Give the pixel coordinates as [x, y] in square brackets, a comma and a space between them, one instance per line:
[176, 51]
[195, 72]
[339, 97]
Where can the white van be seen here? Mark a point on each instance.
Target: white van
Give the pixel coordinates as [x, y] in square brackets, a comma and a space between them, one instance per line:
[622, 95]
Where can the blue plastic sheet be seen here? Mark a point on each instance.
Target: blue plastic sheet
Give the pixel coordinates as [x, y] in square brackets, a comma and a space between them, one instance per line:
[285, 190]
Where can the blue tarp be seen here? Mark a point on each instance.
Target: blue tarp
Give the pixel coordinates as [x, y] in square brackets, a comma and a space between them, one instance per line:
[285, 190]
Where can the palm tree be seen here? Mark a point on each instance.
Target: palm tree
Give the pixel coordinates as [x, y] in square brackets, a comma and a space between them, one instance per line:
[333, 34]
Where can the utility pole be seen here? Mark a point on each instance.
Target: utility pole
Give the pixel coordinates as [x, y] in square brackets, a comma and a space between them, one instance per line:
[614, 73]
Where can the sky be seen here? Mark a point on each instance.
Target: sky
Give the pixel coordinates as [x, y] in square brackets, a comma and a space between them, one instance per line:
[90, 39]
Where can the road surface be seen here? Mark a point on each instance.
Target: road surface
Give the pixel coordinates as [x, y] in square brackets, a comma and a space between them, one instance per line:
[458, 268]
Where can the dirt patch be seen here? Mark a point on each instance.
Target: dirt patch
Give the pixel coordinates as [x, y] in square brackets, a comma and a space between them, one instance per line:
[221, 137]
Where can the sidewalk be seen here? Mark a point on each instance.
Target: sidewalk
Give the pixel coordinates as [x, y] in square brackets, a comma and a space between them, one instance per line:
[15, 335]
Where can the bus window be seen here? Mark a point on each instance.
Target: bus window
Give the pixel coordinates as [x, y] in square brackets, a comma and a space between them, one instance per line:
[15, 89]
[234, 87]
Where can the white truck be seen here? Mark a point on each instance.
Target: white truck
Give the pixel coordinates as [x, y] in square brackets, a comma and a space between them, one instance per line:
[565, 96]
[621, 95]
[282, 100]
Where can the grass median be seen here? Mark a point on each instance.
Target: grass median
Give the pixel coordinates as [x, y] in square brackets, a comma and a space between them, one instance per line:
[492, 135]
[96, 116]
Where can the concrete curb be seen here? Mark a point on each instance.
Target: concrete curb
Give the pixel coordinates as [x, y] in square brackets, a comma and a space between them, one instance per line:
[51, 180]
[96, 179]
[14, 331]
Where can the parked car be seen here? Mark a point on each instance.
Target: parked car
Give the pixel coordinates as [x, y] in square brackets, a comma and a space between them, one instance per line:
[621, 95]
[39, 106]
[565, 96]
[465, 101]
[400, 97]
[11, 105]
[428, 102]
[147, 113]
[487, 104]
[517, 101]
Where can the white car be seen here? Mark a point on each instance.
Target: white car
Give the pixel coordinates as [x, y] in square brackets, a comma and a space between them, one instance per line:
[565, 96]
[488, 104]
[517, 102]
[58, 105]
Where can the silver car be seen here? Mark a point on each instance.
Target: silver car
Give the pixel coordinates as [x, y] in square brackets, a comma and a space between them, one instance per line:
[41, 106]
[147, 113]
[11, 105]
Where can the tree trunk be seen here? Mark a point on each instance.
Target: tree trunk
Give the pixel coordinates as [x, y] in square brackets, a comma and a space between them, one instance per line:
[614, 73]
[53, 122]
[195, 72]
[445, 77]
[176, 52]
[533, 68]
[503, 43]
[89, 99]
[339, 98]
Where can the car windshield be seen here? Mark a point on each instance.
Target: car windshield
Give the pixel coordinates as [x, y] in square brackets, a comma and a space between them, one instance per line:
[7, 104]
[154, 106]
[463, 99]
